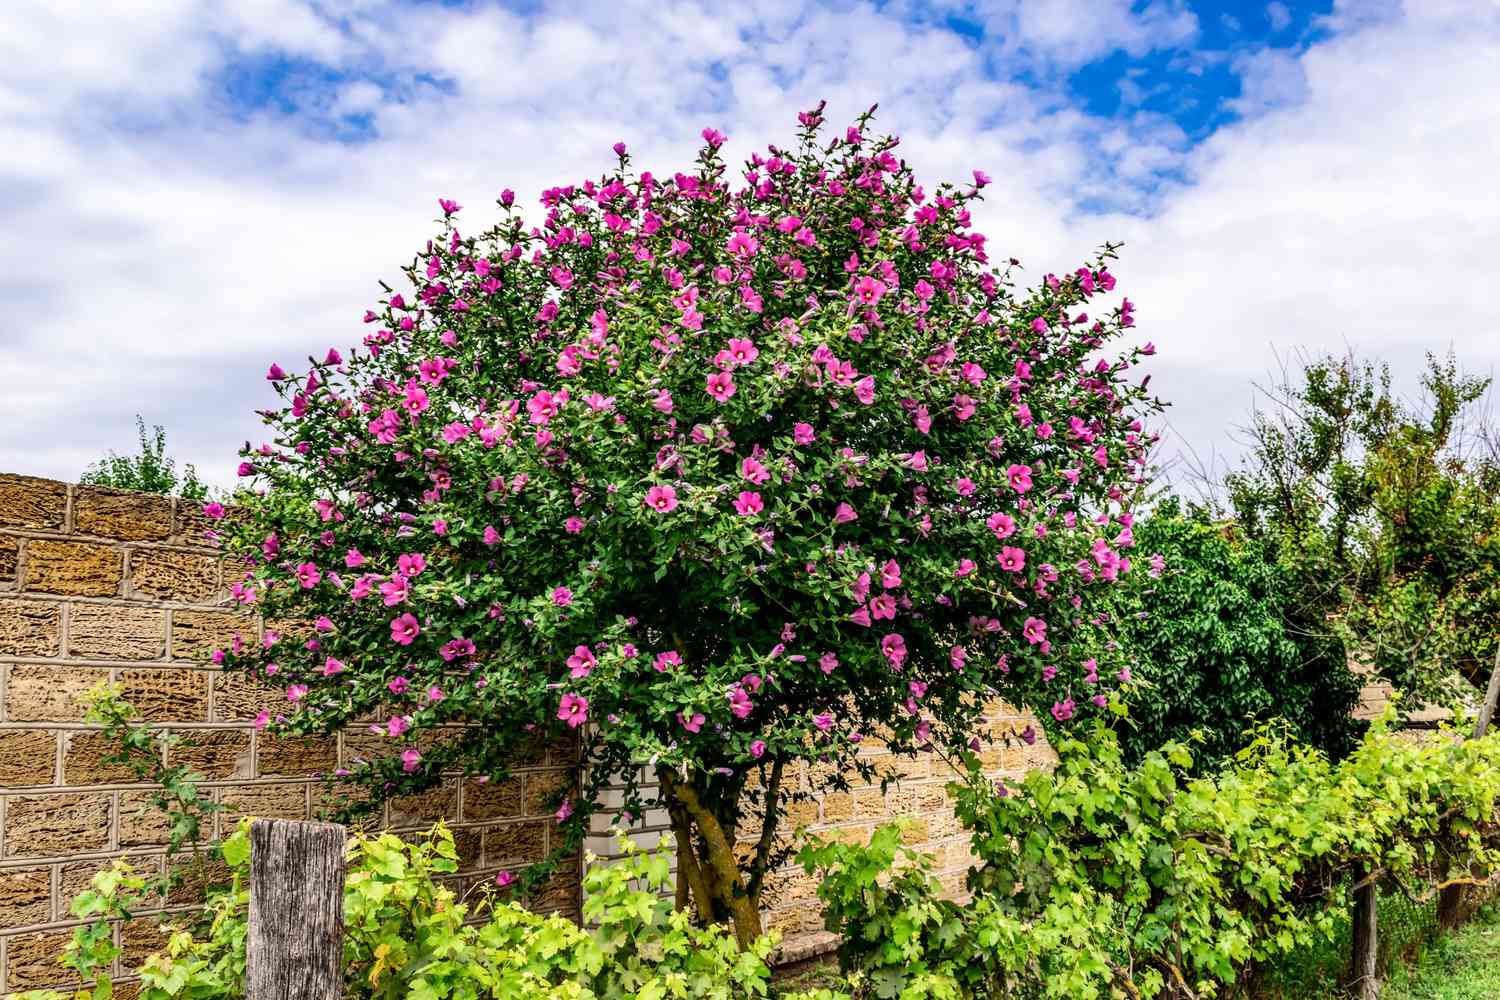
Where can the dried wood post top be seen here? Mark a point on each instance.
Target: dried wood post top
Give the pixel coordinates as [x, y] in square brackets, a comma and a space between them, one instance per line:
[295, 947]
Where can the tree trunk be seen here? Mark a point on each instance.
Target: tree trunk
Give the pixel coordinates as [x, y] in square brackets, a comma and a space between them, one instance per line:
[1364, 979]
[295, 947]
[713, 873]
[1450, 911]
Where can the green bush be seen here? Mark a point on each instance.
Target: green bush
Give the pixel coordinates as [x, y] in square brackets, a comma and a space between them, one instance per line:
[407, 936]
[1225, 641]
[1103, 880]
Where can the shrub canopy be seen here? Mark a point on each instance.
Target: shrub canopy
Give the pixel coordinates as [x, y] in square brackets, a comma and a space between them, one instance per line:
[718, 478]
[1225, 638]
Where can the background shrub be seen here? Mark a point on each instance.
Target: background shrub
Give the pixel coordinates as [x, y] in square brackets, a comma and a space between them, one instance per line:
[1225, 638]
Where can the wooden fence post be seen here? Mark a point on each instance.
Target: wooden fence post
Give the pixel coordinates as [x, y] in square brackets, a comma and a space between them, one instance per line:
[1364, 974]
[296, 937]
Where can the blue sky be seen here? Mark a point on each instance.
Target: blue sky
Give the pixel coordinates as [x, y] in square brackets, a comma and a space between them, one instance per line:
[193, 188]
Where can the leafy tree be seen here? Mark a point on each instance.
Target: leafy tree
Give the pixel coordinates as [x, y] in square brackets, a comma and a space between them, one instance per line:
[152, 471]
[1388, 513]
[1220, 636]
[725, 481]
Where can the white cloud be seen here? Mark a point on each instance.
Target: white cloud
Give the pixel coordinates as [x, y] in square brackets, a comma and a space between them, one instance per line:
[1279, 15]
[158, 255]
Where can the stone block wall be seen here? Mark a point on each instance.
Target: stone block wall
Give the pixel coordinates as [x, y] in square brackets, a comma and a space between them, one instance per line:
[102, 585]
[105, 585]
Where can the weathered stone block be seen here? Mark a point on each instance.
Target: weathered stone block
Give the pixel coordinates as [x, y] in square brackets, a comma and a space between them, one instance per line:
[30, 628]
[64, 823]
[295, 756]
[139, 938]
[84, 569]
[31, 961]
[426, 808]
[36, 693]
[194, 876]
[121, 514]
[492, 799]
[27, 502]
[515, 843]
[169, 575]
[238, 697]
[543, 790]
[170, 695]
[28, 757]
[83, 761]
[196, 634]
[107, 632]
[10, 556]
[142, 824]
[25, 896]
[266, 801]
[215, 753]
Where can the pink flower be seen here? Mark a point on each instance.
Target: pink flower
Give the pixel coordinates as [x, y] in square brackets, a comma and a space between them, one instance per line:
[1003, 525]
[662, 499]
[864, 390]
[394, 591]
[890, 575]
[748, 504]
[505, 878]
[803, 433]
[828, 663]
[883, 607]
[1034, 630]
[824, 721]
[308, 575]
[411, 564]
[573, 525]
[332, 666]
[405, 629]
[861, 616]
[739, 702]
[296, 692]
[398, 685]
[410, 759]
[562, 596]
[491, 536]
[1158, 564]
[965, 568]
[663, 401]
[844, 514]
[1062, 711]
[396, 725]
[543, 407]
[353, 559]
[754, 471]
[1019, 477]
[894, 648]
[758, 749]
[868, 290]
[693, 723]
[213, 511]
[666, 661]
[581, 662]
[574, 710]
[720, 386]
[1011, 559]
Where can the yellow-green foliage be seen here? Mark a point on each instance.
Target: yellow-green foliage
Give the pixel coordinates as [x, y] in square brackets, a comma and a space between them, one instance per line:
[1101, 880]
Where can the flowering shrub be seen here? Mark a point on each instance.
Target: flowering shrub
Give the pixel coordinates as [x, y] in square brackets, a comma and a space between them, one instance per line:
[1102, 880]
[406, 936]
[718, 478]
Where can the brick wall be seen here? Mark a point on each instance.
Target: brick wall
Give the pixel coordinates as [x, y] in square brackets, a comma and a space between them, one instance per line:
[105, 585]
